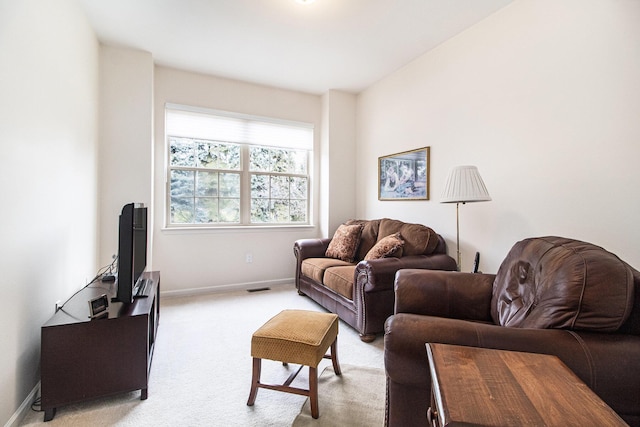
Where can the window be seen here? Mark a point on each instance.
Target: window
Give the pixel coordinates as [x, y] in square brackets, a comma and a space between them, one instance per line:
[231, 169]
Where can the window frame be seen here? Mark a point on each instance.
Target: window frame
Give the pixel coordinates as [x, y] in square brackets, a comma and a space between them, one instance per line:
[244, 171]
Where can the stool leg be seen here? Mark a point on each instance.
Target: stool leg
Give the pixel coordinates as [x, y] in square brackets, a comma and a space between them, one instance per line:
[313, 391]
[257, 365]
[334, 357]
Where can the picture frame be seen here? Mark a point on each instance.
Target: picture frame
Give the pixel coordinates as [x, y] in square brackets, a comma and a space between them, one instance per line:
[404, 176]
[98, 306]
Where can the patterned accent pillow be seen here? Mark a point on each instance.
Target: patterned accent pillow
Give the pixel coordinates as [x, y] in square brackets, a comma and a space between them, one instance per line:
[387, 246]
[344, 243]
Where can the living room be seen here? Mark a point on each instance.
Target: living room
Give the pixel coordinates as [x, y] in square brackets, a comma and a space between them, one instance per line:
[542, 96]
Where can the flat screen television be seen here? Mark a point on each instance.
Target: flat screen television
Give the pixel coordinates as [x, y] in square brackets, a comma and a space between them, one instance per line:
[132, 250]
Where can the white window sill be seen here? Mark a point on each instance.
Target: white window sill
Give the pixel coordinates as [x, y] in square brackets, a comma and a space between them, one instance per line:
[236, 229]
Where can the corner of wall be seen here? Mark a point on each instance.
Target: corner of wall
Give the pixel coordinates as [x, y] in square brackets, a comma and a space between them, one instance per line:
[338, 160]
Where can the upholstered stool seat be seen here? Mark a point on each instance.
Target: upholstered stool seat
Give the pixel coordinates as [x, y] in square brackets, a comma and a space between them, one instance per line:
[300, 337]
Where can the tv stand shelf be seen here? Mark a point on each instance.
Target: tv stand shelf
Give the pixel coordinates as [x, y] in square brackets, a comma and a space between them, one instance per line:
[82, 359]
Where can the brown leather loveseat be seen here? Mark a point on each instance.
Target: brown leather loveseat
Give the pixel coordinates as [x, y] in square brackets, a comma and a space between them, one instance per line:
[551, 295]
[352, 273]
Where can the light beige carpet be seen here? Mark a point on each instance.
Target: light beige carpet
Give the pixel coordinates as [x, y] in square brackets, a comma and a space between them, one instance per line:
[355, 399]
[201, 370]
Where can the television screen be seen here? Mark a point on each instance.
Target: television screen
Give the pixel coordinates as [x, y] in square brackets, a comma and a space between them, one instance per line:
[139, 242]
[132, 249]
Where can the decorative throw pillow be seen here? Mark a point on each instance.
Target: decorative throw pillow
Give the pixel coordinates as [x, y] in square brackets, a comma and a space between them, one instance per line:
[344, 243]
[387, 246]
[418, 239]
[369, 235]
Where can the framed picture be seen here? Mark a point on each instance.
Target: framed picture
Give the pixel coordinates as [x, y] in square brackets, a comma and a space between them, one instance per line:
[404, 176]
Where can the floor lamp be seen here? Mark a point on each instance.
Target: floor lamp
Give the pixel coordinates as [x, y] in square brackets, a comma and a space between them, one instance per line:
[464, 185]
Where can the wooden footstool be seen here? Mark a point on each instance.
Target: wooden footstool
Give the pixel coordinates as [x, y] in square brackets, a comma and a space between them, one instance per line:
[295, 336]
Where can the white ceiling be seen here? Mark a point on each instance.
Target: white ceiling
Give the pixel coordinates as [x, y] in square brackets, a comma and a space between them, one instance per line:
[329, 44]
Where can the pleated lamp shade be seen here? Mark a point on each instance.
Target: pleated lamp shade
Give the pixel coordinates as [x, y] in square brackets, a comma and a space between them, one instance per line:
[464, 185]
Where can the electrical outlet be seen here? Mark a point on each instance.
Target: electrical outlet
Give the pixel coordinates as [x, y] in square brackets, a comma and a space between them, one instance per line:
[249, 258]
[58, 305]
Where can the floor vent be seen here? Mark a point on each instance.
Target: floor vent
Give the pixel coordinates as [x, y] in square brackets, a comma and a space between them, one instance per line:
[258, 289]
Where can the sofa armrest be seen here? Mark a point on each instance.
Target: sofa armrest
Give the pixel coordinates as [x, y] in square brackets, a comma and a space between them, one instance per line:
[378, 274]
[373, 295]
[444, 294]
[605, 362]
[310, 248]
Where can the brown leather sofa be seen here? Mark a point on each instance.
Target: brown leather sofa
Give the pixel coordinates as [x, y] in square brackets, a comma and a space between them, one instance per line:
[551, 295]
[360, 291]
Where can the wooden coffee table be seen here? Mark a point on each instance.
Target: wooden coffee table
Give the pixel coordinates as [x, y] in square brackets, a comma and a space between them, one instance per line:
[484, 387]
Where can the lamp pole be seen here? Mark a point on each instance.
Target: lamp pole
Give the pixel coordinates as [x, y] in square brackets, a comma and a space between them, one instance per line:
[464, 184]
[458, 233]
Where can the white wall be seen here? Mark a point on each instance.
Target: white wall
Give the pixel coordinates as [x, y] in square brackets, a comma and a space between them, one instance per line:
[126, 141]
[337, 160]
[544, 97]
[215, 259]
[48, 170]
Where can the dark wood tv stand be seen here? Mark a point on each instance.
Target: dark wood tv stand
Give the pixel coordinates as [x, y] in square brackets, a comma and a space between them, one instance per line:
[83, 358]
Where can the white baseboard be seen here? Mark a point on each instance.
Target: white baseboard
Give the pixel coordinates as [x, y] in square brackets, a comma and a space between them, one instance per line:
[229, 288]
[20, 413]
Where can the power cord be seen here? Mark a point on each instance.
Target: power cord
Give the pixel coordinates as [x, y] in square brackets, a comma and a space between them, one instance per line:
[104, 271]
[107, 269]
[36, 406]
[69, 314]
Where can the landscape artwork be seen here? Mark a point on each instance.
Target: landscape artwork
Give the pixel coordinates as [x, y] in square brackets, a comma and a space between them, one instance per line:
[404, 176]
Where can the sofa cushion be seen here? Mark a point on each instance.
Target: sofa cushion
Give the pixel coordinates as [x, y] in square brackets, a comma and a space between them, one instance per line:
[368, 237]
[387, 246]
[340, 280]
[314, 268]
[419, 239]
[344, 243]
[553, 282]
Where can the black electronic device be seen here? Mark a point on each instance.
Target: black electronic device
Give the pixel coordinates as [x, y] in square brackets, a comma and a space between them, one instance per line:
[476, 262]
[132, 250]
